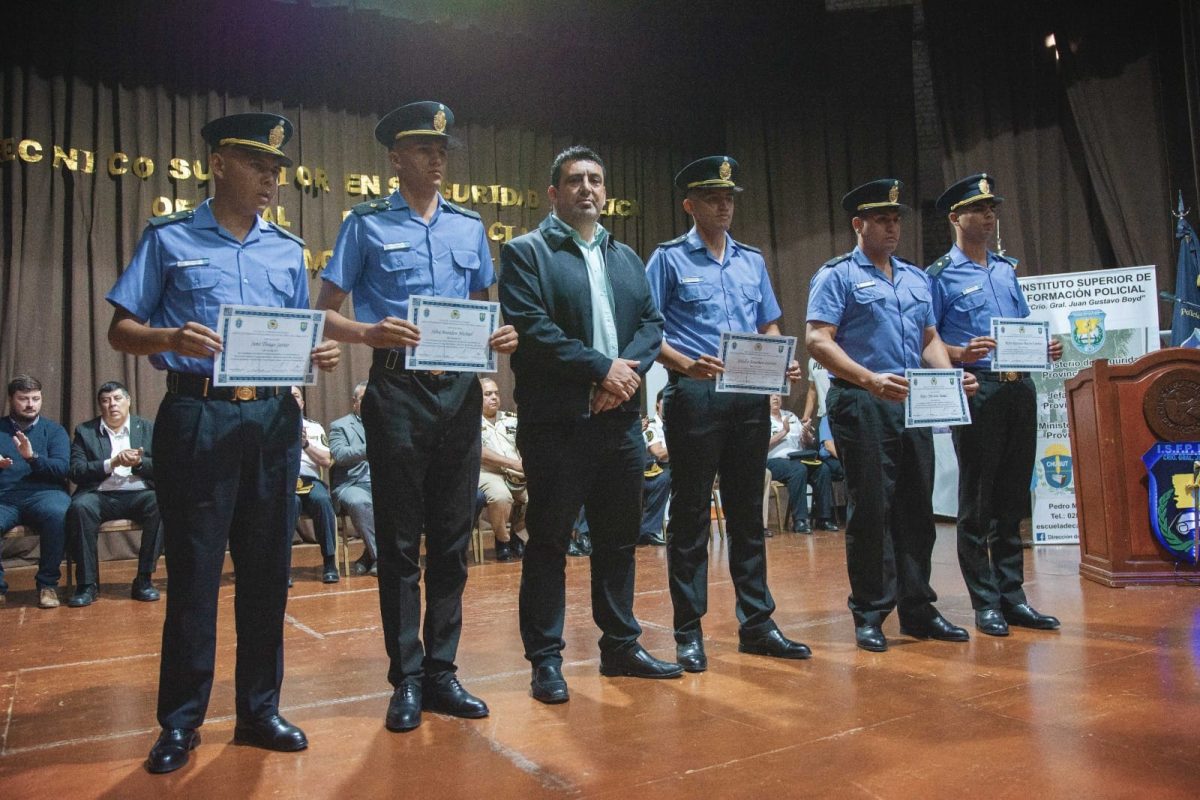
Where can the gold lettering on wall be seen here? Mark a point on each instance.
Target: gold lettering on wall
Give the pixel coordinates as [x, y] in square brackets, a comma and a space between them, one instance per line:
[116, 164]
[314, 264]
[179, 169]
[8, 150]
[143, 167]
[29, 151]
[162, 206]
[499, 232]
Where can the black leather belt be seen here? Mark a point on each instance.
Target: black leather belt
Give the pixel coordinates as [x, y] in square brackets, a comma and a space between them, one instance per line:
[201, 386]
[842, 383]
[999, 377]
[394, 360]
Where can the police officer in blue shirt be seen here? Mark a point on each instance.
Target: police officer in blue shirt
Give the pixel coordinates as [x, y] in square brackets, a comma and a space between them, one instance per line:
[972, 284]
[226, 458]
[422, 427]
[706, 282]
[870, 317]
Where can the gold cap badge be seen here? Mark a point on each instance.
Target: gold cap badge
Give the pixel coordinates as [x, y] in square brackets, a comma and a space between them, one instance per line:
[894, 193]
[439, 121]
[275, 137]
[984, 186]
[725, 170]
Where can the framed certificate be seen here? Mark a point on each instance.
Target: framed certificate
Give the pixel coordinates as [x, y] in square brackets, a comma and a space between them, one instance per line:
[935, 398]
[454, 334]
[755, 363]
[1021, 345]
[266, 346]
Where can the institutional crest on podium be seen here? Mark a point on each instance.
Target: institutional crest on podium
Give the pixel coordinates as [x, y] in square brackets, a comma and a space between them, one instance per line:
[1174, 472]
[1056, 466]
[1087, 330]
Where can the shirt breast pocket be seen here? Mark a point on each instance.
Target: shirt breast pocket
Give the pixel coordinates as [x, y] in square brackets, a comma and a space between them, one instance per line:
[283, 285]
[751, 300]
[917, 305]
[466, 267]
[199, 286]
[696, 300]
[869, 300]
[407, 271]
[969, 308]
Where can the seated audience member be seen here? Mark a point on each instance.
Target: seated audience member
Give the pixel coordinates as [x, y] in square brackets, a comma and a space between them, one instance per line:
[34, 458]
[501, 474]
[794, 461]
[312, 495]
[658, 480]
[581, 539]
[351, 479]
[112, 468]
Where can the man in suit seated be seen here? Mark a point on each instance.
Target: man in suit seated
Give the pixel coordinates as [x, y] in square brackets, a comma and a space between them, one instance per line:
[351, 479]
[34, 455]
[113, 472]
[501, 474]
[312, 495]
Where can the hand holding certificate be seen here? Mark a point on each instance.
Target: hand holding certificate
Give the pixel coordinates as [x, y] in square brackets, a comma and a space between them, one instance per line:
[755, 363]
[455, 334]
[935, 397]
[266, 346]
[1022, 345]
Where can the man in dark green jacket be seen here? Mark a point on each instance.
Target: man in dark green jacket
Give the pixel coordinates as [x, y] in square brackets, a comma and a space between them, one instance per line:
[589, 332]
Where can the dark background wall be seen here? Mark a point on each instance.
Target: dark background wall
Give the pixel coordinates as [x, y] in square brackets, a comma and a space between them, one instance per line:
[1089, 140]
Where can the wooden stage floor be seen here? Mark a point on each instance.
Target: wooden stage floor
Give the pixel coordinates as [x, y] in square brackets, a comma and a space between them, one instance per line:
[1106, 707]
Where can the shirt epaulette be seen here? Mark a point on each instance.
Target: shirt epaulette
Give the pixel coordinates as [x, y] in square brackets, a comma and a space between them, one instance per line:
[906, 261]
[1009, 259]
[837, 260]
[749, 247]
[286, 233]
[464, 211]
[167, 219]
[677, 240]
[372, 207]
[936, 267]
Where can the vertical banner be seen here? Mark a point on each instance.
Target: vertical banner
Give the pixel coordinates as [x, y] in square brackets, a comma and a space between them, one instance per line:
[1110, 314]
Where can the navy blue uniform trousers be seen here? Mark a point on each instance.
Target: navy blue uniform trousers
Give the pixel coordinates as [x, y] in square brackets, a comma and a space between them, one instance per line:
[225, 474]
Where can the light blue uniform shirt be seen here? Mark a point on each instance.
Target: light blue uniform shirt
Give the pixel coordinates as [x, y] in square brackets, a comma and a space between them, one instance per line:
[700, 297]
[183, 270]
[966, 296]
[384, 257]
[880, 323]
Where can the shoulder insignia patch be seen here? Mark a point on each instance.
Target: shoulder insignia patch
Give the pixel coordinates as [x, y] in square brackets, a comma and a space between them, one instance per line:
[464, 211]
[676, 241]
[1009, 259]
[284, 232]
[167, 219]
[372, 207]
[906, 261]
[836, 260]
[749, 247]
[936, 267]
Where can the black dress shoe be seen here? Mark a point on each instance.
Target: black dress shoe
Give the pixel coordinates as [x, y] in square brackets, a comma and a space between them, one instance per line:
[548, 685]
[504, 551]
[991, 622]
[86, 595]
[774, 644]
[142, 589]
[329, 575]
[690, 656]
[870, 637]
[445, 695]
[404, 709]
[801, 526]
[270, 733]
[634, 662]
[827, 525]
[361, 567]
[171, 750]
[652, 541]
[936, 627]
[1025, 616]
[518, 546]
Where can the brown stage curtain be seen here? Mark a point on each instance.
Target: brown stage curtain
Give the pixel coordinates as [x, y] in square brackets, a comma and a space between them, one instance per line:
[68, 235]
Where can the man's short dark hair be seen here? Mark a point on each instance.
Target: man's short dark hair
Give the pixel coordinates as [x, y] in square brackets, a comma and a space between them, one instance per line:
[575, 152]
[23, 383]
[111, 386]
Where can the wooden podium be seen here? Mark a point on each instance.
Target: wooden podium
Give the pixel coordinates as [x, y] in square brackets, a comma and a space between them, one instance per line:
[1117, 413]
